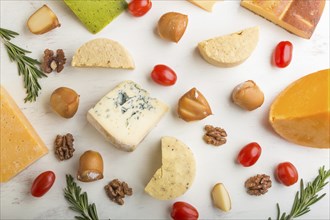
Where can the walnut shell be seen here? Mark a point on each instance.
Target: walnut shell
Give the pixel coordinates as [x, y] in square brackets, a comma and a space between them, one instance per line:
[90, 166]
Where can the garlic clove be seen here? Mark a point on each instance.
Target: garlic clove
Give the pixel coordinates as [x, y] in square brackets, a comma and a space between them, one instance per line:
[221, 198]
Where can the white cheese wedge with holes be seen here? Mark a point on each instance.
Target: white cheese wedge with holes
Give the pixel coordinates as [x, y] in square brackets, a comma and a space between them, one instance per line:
[126, 115]
[177, 172]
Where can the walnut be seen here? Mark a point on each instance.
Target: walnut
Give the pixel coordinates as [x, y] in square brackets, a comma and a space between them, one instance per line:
[214, 135]
[48, 58]
[258, 185]
[116, 190]
[52, 62]
[64, 146]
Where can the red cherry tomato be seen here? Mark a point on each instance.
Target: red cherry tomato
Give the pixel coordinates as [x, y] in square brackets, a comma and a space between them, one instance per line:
[184, 211]
[139, 8]
[283, 54]
[249, 154]
[42, 183]
[286, 173]
[163, 75]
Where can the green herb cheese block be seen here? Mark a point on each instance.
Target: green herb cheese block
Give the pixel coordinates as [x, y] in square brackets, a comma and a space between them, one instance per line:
[96, 14]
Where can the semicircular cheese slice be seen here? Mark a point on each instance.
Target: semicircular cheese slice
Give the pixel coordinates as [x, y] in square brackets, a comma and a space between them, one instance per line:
[177, 173]
[230, 50]
[301, 112]
[103, 52]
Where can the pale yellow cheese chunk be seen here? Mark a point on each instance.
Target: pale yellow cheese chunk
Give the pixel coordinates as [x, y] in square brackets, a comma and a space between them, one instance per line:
[230, 50]
[20, 144]
[177, 173]
[103, 52]
[204, 4]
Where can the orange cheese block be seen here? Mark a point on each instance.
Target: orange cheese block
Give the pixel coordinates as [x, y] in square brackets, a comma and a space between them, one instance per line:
[20, 144]
[301, 113]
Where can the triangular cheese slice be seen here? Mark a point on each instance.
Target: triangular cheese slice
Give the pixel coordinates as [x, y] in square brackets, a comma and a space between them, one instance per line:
[95, 15]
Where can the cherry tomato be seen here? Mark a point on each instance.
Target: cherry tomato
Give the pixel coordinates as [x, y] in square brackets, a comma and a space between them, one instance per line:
[249, 154]
[163, 75]
[139, 8]
[283, 54]
[286, 173]
[42, 183]
[184, 211]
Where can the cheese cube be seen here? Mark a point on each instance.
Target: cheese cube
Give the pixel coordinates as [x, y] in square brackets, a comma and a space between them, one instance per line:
[20, 144]
[126, 115]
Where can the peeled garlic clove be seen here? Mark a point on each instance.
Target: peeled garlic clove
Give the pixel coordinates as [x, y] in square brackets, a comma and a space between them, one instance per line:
[221, 198]
[90, 166]
[248, 95]
[172, 25]
[193, 106]
[43, 20]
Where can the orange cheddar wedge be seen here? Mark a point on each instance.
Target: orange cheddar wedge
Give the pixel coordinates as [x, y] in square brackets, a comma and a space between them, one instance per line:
[20, 144]
[301, 112]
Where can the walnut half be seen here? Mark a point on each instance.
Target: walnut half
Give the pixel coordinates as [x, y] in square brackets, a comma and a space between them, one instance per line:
[52, 62]
[215, 135]
[64, 146]
[258, 185]
[116, 190]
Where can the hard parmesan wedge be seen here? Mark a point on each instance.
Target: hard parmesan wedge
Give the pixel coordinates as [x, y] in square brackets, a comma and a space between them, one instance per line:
[177, 172]
[230, 50]
[103, 52]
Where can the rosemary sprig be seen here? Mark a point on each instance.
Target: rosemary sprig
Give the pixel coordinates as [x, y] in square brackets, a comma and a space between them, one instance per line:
[79, 201]
[306, 196]
[26, 65]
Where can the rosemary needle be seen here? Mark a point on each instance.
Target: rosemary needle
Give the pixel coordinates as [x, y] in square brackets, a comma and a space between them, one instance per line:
[27, 67]
[306, 197]
[79, 201]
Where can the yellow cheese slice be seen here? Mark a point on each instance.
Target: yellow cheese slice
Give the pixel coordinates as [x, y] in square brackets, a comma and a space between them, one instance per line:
[177, 173]
[20, 144]
[301, 113]
[204, 4]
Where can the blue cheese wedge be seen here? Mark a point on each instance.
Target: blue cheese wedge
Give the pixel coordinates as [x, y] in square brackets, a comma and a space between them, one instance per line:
[177, 172]
[126, 115]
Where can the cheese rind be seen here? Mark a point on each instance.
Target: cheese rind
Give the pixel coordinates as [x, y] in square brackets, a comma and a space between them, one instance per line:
[299, 17]
[204, 4]
[103, 52]
[126, 115]
[301, 112]
[177, 172]
[230, 50]
[20, 144]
